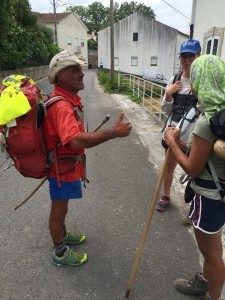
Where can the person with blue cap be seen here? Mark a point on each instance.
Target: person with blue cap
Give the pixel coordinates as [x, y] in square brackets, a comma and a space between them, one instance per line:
[176, 102]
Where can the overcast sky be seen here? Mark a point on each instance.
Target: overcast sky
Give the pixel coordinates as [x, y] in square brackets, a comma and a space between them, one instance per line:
[178, 18]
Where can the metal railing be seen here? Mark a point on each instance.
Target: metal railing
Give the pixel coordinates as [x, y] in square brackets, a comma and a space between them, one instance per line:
[150, 93]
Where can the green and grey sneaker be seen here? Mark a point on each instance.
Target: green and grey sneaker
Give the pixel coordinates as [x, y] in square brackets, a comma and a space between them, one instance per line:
[70, 258]
[73, 238]
[193, 287]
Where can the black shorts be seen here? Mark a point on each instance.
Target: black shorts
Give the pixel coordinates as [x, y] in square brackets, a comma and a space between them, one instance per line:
[207, 215]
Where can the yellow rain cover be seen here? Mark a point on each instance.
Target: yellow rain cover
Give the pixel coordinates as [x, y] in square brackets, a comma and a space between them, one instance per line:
[13, 103]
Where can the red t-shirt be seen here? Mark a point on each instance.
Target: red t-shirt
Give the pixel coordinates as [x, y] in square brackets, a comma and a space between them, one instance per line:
[61, 126]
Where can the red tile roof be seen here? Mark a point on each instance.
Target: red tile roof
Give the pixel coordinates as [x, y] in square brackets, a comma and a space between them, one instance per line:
[49, 18]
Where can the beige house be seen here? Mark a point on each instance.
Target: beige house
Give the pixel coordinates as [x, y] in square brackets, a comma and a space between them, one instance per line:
[70, 33]
[208, 23]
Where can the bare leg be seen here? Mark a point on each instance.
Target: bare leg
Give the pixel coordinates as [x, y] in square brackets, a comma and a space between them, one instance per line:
[168, 177]
[57, 217]
[210, 246]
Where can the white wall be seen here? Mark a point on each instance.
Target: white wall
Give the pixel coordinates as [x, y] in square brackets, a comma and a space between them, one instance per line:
[72, 29]
[69, 29]
[208, 18]
[154, 40]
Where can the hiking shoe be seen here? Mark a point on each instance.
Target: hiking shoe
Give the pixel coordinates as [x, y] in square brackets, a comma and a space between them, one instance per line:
[70, 258]
[163, 203]
[73, 238]
[193, 287]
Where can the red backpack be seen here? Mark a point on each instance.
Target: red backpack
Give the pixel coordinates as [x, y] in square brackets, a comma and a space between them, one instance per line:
[25, 142]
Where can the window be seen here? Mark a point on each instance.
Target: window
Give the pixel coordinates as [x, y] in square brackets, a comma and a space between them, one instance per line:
[213, 41]
[212, 45]
[69, 40]
[116, 61]
[135, 36]
[134, 60]
[154, 60]
[82, 43]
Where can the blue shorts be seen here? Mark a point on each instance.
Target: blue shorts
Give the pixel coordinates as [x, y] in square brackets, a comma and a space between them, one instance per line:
[207, 215]
[68, 190]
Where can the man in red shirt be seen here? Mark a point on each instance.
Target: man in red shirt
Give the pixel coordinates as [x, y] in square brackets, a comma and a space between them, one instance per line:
[64, 131]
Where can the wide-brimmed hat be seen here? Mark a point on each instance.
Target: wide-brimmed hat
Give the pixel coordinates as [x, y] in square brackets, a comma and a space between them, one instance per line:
[60, 61]
[190, 46]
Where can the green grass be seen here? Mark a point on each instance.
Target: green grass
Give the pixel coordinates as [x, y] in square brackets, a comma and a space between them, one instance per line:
[104, 77]
[110, 87]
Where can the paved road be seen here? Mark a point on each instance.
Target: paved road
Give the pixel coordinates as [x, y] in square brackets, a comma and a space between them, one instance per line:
[123, 175]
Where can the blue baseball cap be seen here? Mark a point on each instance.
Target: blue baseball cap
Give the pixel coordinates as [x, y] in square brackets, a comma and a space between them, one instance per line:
[190, 46]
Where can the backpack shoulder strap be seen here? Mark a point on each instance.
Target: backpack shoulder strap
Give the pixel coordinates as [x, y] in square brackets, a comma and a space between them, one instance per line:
[79, 114]
[212, 172]
[54, 99]
[47, 103]
[177, 77]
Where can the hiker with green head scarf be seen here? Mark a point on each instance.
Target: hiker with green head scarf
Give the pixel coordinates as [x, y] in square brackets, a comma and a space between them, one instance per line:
[208, 83]
[207, 210]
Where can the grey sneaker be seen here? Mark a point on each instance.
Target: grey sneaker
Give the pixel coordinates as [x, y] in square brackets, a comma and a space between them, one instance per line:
[193, 287]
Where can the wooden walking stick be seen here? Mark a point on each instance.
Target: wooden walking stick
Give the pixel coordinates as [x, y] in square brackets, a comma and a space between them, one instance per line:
[106, 119]
[146, 227]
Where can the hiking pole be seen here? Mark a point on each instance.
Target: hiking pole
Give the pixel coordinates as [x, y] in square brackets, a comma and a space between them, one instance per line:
[146, 226]
[106, 119]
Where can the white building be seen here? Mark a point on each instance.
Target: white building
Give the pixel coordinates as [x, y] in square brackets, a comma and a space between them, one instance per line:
[71, 32]
[208, 19]
[141, 43]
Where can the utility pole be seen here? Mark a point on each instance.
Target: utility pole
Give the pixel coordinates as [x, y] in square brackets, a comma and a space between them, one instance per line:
[112, 39]
[191, 31]
[55, 24]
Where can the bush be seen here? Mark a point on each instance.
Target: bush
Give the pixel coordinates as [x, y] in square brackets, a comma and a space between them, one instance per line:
[109, 86]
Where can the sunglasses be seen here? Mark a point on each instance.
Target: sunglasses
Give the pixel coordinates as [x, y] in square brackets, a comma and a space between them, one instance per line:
[184, 56]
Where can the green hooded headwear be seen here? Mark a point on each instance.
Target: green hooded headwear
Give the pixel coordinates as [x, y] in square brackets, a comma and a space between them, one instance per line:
[208, 83]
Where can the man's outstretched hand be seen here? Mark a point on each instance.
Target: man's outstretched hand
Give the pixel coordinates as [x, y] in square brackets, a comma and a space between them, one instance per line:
[122, 128]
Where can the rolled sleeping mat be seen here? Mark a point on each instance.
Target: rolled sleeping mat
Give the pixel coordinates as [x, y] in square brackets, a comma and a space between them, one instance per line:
[219, 148]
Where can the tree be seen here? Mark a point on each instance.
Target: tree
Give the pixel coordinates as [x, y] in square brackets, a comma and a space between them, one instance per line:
[96, 17]
[92, 44]
[23, 41]
[23, 14]
[6, 18]
[128, 8]
[81, 11]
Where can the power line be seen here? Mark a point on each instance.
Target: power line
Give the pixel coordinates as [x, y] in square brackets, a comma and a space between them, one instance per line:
[67, 3]
[176, 10]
